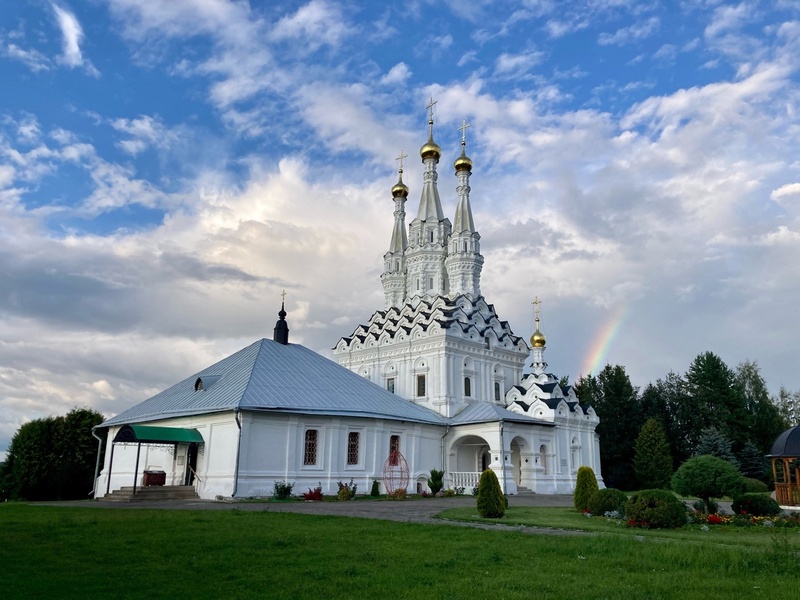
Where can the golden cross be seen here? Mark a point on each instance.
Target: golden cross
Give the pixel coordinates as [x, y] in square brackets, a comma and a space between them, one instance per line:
[536, 302]
[283, 296]
[430, 107]
[400, 158]
[463, 130]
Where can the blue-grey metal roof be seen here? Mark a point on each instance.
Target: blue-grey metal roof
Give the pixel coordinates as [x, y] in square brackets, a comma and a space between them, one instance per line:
[268, 376]
[486, 412]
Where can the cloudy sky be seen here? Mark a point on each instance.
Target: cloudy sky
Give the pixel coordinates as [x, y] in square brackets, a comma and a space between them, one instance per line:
[167, 168]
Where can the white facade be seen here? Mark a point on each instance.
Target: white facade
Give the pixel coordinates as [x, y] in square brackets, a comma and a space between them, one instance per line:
[436, 374]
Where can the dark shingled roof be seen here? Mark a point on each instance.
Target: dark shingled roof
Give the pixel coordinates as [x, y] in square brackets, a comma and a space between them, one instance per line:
[787, 444]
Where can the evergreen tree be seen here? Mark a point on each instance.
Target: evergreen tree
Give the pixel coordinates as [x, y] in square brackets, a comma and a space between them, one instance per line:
[616, 402]
[719, 398]
[707, 477]
[491, 501]
[753, 463]
[52, 458]
[653, 462]
[668, 402]
[713, 443]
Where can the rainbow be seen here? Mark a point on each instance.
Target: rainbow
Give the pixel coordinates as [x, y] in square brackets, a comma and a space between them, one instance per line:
[598, 350]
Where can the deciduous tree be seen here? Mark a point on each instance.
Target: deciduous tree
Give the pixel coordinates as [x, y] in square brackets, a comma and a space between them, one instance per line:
[653, 462]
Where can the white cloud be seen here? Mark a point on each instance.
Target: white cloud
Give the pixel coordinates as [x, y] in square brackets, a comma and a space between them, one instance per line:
[33, 59]
[317, 23]
[782, 236]
[72, 36]
[144, 131]
[728, 17]
[632, 33]
[397, 74]
[517, 65]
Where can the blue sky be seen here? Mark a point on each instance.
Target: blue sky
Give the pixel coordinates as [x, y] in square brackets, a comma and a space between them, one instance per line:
[167, 168]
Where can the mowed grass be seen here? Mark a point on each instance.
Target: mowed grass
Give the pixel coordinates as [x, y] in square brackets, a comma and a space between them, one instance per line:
[67, 552]
[568, 518]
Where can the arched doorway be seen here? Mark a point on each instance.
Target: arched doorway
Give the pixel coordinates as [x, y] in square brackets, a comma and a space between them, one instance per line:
[469, 457]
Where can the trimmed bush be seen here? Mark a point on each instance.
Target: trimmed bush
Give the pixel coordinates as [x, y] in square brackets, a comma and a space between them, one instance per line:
[754, 486]
[607, 500]
[282, 490]
[707, 477]
[585, 486]
[491, 501]
[756, 505]
[376, 489]
[655, 509]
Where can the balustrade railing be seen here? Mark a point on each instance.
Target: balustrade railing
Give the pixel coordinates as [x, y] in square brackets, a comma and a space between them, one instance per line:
[465, 479]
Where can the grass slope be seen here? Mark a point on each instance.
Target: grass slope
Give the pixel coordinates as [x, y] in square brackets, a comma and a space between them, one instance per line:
[55, 552]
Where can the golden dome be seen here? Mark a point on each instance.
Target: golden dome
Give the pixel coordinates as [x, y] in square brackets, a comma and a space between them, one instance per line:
[463, 162]
[537, 339]
[400, 188]
[430, 149]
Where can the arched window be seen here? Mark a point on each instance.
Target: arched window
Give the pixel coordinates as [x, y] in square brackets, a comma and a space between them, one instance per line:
[467, 387]
[431, 237]
[394, 448]
[352, 448]
[543, 457]
[497, 391]
[310, 449]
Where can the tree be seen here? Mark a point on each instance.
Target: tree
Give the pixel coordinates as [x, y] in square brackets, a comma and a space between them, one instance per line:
[788, 405]
[585, 487]
[669, 403]
[491, 501]
[753, 463]
[616, 402]
[719, 398]
[707, 477]
[52, 458]
[653, 463]
[766, 421]
[713, 443]
[436, 481]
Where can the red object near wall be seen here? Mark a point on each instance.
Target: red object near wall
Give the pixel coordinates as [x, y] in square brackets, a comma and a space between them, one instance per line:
[154, 478]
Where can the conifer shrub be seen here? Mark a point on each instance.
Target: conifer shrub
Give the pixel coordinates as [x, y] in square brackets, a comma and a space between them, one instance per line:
[708, 477]
[585, 486]
[754, 486]
[756, 505]
[491, 501]
[607, 500]
[436, 481]
[282, 490]
[655, 509]
[376, 489]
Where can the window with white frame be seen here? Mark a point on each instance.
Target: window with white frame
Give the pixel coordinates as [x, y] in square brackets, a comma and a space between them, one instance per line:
[310, 447]
[420, 385]
[352, 447]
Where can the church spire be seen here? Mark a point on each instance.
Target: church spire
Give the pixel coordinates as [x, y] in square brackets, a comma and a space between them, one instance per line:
[538, 342]
[281, 332]
[464, 261]
[394, 262]
[426, 276]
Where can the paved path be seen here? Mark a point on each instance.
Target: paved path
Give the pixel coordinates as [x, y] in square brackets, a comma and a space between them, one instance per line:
[409, 511]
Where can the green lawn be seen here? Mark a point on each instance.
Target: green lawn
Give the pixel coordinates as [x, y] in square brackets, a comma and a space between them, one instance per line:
[60, 552]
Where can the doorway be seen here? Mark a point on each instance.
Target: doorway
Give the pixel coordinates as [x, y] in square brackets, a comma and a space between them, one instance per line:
[191, 464]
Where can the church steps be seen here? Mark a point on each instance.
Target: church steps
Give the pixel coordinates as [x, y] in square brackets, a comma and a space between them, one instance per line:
[152, 494]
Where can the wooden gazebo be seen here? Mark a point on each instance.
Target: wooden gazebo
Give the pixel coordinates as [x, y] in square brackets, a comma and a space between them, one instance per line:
[785, 455]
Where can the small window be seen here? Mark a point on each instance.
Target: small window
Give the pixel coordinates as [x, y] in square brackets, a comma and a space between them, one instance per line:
[420, 385]
[390, 384]
[467, 386]
[352, 448]
[394, 449]
[198, 385]
[417, 283]
[430, 283]
[431, 237]
[465, 246]
[497, 391]
[310, 451]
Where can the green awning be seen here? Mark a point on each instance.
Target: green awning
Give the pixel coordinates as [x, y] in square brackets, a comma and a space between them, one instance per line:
[147, 434]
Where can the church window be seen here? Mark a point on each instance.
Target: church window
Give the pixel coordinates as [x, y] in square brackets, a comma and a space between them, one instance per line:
[420, 385]
[310, 450]
[465, 246]
[497, 391]
[394, 449]
[467, 386]
[417, 283]
[430, 238]
[430, 283]
[390, 384]
[352, 448]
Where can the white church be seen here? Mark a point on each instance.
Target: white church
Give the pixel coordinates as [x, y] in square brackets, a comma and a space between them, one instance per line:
[435, 375]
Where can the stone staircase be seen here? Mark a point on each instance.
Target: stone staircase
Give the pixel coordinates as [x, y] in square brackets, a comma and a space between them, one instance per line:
[523, 491]
[152, 493]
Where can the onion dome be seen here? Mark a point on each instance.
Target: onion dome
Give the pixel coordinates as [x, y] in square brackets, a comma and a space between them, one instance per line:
[537, 339]
[400, 189]
[463, 162]
[430, 149]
